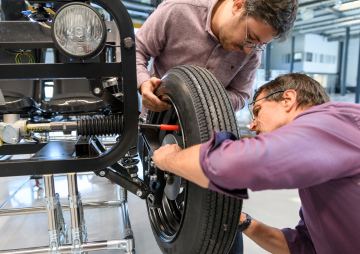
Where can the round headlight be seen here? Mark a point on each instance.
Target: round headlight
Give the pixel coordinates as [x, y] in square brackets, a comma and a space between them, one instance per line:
[79, 31]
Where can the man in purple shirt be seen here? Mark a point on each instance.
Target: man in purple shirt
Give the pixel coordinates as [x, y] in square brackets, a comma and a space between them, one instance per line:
[304, 142]
[226, 37]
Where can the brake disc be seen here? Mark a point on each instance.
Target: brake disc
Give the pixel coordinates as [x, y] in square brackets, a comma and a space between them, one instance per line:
[173, 183]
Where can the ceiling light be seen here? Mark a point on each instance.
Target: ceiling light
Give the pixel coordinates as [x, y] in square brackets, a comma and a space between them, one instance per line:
[79, 31]
[349, 6]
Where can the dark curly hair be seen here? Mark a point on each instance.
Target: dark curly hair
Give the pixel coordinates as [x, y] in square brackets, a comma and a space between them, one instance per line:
[279, 14]
[309, 91]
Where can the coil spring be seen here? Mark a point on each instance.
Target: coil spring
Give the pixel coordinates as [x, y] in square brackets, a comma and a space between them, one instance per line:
[108, 125]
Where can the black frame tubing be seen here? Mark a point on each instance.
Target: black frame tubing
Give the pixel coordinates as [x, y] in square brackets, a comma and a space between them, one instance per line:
[128, 137]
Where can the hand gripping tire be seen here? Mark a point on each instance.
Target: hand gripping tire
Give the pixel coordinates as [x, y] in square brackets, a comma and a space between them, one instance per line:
[198, 221]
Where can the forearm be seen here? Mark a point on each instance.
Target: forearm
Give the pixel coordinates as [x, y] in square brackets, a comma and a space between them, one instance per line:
[187, 165]
[268, 238]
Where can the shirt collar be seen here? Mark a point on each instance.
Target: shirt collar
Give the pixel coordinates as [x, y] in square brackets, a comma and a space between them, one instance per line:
[211, 6]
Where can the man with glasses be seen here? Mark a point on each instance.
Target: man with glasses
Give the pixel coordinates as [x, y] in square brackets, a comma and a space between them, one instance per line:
[227, 37]
[304, 142]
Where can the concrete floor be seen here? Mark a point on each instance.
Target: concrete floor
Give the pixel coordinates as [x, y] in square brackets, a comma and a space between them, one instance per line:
[22, 231]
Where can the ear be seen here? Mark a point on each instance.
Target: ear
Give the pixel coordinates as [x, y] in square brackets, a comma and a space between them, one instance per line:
[238, 5]
[290, 102]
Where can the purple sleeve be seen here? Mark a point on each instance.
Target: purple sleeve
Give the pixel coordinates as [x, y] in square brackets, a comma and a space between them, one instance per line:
[300, 154]
[299, 239]
[151, 38]
[240, 87]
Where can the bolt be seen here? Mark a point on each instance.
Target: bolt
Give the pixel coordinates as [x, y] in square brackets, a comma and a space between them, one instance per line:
[147, 158]
[170, 180]
[97, 90]
[146, 172]
[102, 173]
[122, 245]
[151, 198]
[139, 193]
[153, 178]
[152, 164]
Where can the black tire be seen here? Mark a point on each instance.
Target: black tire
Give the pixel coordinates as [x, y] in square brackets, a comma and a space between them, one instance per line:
[202, 221]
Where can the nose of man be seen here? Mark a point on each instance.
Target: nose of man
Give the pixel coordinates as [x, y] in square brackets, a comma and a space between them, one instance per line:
[253, 125]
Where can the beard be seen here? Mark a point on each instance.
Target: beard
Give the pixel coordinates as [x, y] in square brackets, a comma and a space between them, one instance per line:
[225, 42]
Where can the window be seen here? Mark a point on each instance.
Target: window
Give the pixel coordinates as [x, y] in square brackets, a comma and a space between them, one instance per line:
[49, 90]
[309, 57]
[298, 57]
[321, 58]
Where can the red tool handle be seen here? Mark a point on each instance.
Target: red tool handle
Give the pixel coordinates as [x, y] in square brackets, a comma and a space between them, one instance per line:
[167, 127]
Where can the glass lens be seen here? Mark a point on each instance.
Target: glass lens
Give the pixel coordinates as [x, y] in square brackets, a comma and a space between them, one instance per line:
[251, 111]
[248, 44]
[78, 30]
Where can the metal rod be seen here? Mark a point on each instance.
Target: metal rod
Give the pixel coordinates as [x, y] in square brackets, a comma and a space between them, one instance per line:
[12, 195]
[54, 126]
[73, 194]
[90, 246]
[42, 209]
[345, 61]
[125, 221]
[268, 61]
[5, 157]
[81, 173]
[50, 200]
[292, 54]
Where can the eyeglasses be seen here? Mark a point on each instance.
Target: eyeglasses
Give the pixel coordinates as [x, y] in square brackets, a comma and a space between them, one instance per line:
[251, 105]
[249, 44]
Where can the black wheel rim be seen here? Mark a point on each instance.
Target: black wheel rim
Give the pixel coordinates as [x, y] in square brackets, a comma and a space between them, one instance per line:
[167, 220]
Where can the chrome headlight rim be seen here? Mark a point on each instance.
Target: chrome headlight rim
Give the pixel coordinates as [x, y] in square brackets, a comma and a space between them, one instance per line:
[102, 43]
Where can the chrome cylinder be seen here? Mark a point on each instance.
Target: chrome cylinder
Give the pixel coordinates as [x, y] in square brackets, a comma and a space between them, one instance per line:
[125, 244]
[54, 126]
[11, 118]
[50, 202]
[42, 209]
[73, 200]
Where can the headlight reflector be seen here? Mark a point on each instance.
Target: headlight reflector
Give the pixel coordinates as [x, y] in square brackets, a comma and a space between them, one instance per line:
[79, 31]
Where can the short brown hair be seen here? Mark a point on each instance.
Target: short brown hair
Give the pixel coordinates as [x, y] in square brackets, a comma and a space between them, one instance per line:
[309, 91]
[279, 14]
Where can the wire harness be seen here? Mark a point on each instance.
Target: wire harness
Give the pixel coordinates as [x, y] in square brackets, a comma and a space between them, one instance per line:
[19, 53]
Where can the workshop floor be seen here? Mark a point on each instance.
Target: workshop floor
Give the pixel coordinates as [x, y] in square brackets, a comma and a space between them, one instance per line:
[276, 208]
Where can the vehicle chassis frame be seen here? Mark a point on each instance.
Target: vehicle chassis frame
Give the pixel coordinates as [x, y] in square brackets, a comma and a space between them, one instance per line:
[99, 159]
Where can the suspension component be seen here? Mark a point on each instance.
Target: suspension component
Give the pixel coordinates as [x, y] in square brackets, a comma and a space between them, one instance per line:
[108, 125]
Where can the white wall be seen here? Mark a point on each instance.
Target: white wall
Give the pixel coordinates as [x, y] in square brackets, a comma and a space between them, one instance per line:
[320, 49]
[280, 50]
[352, 63]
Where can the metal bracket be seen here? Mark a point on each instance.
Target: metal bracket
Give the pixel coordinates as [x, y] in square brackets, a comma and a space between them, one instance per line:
[50, 203]
[74, 201]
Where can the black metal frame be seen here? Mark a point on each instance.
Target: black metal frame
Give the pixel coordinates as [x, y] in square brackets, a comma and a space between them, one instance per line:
[93, 71]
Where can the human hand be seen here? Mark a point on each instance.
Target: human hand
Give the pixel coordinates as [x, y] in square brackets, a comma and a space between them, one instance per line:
[149, 99]
[162, 154]
[242, 218]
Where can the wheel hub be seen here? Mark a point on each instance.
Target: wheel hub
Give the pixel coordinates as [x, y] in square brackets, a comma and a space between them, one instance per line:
[173, 183]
